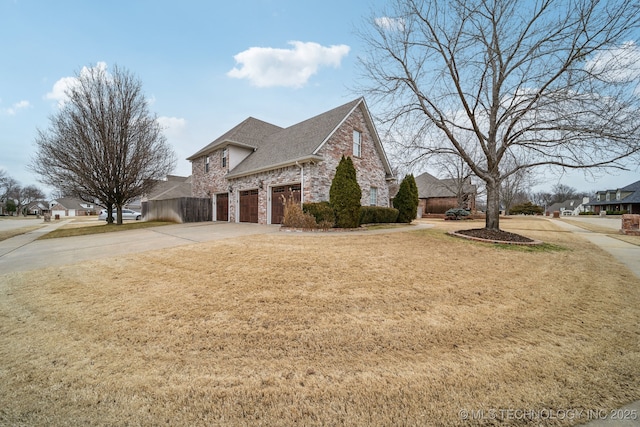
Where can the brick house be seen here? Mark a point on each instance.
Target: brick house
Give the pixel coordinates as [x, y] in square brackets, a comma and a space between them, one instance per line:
[250, 169]
[436, 196]
[68, 206]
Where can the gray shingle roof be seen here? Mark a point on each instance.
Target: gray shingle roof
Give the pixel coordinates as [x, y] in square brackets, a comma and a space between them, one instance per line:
[250, 133]
[296, 142]
[634, 197]
[174, 187]
[275, 146]
[429, 186]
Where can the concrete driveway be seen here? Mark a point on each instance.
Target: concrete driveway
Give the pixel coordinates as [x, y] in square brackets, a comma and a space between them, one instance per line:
[24, 252]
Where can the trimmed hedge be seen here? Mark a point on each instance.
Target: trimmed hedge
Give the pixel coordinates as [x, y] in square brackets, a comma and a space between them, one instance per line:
[378, 215]
[624, 212]
[321, 211]
[526, 208]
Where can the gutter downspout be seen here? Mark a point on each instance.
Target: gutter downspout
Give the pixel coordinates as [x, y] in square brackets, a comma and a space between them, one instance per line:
[301, 166]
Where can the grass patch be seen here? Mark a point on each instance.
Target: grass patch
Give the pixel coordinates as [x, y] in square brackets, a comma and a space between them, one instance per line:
[544, 247]
[7, 234]
[590, 227]
[634, 240]
[76, 230]
[332, 329]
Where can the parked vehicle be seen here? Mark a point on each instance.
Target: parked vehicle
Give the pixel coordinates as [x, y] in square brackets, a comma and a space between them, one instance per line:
[126, 214]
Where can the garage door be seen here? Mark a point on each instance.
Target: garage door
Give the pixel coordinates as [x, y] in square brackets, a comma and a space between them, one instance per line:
[278, 194]
[222, 207]
[249, 206]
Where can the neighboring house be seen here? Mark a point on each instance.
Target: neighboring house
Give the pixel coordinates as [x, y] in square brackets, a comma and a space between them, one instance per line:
[571, 207]
[173, 187]
[252, 168]
[39, 207]
[436, 196]
[618, 200]
[68, 206]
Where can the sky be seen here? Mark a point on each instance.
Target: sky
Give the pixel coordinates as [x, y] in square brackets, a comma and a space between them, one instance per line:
[205, 66]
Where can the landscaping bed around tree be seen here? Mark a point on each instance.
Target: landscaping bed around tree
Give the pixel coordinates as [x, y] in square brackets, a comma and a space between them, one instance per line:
[495, 236]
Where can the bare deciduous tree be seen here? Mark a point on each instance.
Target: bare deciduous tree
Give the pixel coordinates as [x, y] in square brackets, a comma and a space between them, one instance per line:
[103, 144]
[544, 82]
[23, 196]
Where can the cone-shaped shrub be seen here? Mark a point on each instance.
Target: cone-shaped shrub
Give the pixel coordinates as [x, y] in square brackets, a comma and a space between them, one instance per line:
[406, 201]
[345, 195]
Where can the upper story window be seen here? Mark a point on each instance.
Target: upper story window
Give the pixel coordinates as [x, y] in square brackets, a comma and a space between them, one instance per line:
[608, 196]
[618, 195]
[224, 157]
[373, 196]
[357, 143]
[206, 164]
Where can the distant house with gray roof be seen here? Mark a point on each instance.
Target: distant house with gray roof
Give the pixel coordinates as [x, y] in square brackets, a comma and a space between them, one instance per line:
[69, 206]
[436, 196]
[250, 169]
[571, 207]
[625, 199]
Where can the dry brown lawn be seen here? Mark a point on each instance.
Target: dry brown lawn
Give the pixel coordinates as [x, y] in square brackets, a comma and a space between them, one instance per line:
[406, 328]
[7, 234]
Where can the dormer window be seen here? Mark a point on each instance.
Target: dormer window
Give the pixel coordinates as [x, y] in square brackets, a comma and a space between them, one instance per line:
[224, 157]
[618, 195]
[608, 197]
[357, 143]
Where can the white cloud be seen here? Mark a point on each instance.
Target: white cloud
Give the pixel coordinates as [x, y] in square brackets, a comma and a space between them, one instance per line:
[618, 64]
[60, 88]
[172, 126]
[13, 110]
[266, 66]
[390, 24]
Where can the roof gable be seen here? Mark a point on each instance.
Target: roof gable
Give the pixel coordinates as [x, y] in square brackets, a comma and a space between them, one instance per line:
[250, 133]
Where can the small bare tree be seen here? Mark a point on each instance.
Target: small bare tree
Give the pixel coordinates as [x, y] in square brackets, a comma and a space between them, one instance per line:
[24, 196]
[548, 83]
[103, 144]
[456, 176]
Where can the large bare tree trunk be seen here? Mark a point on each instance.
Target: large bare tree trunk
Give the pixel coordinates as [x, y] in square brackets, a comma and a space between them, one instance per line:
[493, 206]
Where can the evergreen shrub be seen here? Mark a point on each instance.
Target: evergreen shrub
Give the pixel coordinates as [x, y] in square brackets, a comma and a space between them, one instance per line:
[406, 200]
[378, 215]
[345, 195]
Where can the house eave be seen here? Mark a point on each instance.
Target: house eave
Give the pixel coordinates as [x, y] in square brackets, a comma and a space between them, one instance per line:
[292, 162]
[218, 146]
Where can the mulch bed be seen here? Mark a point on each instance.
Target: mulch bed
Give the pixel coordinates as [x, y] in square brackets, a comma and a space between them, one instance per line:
[494, 236]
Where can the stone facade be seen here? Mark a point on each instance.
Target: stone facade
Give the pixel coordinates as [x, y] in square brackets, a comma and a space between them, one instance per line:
[631, 224]
[369, 168]
[208, 183]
